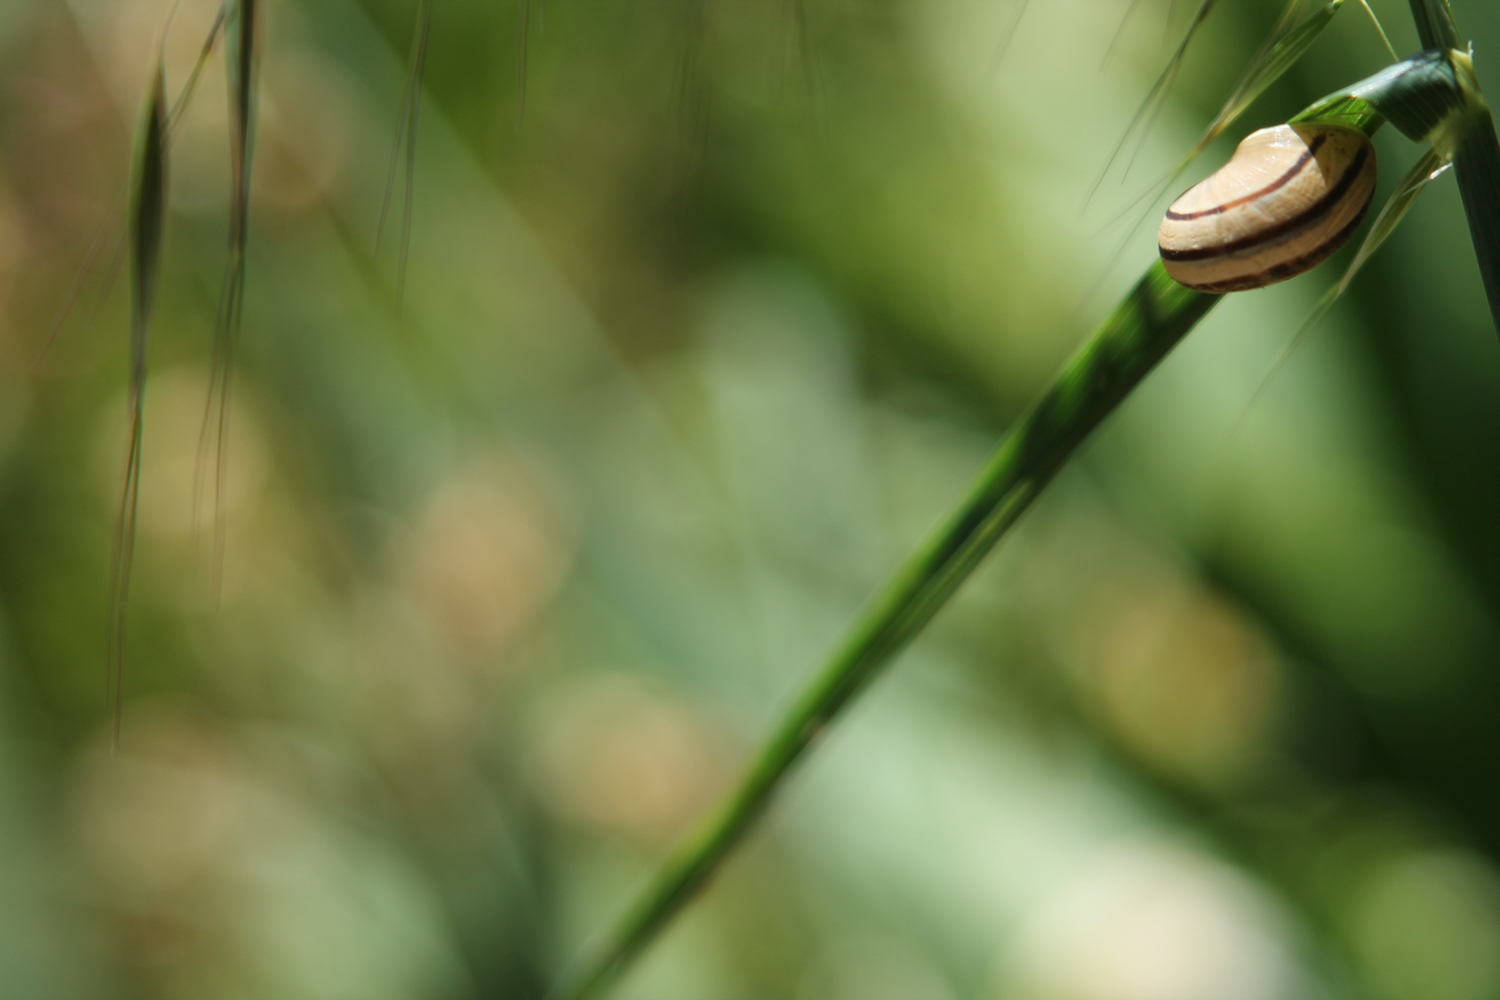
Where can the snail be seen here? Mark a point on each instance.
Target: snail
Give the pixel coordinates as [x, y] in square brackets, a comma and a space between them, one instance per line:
[1286, 201]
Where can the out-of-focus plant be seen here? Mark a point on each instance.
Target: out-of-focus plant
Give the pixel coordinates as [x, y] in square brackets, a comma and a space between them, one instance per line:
[1432, 98]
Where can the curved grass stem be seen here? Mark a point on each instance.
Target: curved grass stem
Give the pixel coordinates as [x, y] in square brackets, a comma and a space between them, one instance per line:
[1156, 314]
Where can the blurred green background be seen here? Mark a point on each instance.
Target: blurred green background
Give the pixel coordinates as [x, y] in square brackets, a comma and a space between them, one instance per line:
[700, 335]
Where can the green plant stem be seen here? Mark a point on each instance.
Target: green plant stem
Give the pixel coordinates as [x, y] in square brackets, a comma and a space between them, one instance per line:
[1435, 25]
[1156, 314]
[1476, 160]
[1420, 94]
[1476, 163]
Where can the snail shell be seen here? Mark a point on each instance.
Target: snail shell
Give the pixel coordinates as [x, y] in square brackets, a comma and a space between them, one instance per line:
[1286, 201]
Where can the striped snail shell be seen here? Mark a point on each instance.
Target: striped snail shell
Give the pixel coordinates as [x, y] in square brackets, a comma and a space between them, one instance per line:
[1286, 201]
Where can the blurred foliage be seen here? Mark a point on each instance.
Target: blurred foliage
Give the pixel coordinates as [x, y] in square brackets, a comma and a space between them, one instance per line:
[690, 353]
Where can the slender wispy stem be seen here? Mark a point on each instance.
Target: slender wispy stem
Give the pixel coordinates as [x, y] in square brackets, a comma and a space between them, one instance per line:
[147, 222]
[406, 142]
[1380, 30]
[190, 86]
[106, 236]
[1145, 115]
[214, 436]
[1114, 40]
[1009, 34]
[524, 62]
[1290, 37]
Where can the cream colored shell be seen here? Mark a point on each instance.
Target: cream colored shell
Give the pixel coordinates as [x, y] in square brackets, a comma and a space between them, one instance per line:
[1287, 200]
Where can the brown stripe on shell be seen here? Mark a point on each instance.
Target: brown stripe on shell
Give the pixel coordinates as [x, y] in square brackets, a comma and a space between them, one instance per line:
[1290, 268]
[1314, 212]
[1280, 182]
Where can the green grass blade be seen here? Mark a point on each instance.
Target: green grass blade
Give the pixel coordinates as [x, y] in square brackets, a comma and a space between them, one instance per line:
[1476, 149]
[1156, 314]
[1477, 165]
[147, 223]
[1114, 40]
[1476, 161]
[1435, 25]
[1380, 30]
[1151, 320]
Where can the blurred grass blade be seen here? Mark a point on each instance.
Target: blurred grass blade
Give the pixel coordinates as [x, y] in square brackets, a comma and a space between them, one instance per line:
[190, 87]
[147, 221]
[397, 144]
[1009, 35]
[107, 230]
[1145, 115]
[1150, 321]
[81, 280]
[242, 66]
[525, 55]
[1114, 40]
[406, 142]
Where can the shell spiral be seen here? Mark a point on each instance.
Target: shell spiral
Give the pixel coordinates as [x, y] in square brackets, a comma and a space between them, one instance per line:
[1287, 200]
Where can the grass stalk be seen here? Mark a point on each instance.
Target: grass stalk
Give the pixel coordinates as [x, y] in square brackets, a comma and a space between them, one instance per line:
[406, 141]
[1476, 154]
[148, 210]
[1421, 95]
[242, 62]
[1476, 162]
[1151, 320]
